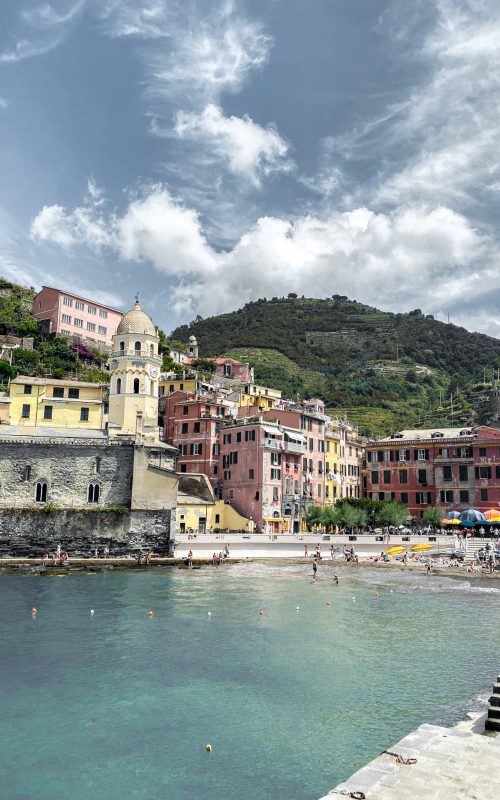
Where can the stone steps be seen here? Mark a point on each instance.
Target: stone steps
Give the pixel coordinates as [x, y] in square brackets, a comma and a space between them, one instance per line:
[492, 723]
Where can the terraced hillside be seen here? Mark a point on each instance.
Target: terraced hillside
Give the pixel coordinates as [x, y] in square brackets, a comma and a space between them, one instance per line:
[384, 370]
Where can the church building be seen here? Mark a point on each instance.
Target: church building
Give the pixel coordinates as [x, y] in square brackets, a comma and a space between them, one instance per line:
[115, 486]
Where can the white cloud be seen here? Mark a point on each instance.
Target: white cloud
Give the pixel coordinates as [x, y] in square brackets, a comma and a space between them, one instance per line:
[4, 103]
[124, 18]
[44, 15]
[423, 256]
[27, 49]
[448, 129]
[247, 148]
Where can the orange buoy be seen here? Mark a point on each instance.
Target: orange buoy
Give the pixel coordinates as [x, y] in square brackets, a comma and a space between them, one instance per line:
[151, 613]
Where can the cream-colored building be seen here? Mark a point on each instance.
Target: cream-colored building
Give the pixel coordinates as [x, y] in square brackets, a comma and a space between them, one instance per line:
[199, 511]
[135, 370]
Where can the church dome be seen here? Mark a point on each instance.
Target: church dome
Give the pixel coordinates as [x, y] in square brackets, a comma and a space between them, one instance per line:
[136, 321]
[192, 340]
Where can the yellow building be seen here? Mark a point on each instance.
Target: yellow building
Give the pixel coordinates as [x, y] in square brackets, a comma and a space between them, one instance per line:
[57, 403]
[262, 398]
[198, 510]
[332, 462]
[170, 385]
[4, 408]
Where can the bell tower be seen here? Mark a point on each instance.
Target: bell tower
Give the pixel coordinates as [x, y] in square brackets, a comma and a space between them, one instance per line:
[134, 366]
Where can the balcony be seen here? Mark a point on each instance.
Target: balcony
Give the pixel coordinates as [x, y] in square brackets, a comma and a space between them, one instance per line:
[273, 444]
[294, 447]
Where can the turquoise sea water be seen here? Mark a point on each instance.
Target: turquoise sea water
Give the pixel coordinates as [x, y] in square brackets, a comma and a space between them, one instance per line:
[120, 705]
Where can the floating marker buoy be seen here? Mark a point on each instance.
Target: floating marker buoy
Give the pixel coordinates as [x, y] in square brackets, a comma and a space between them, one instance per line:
[262, 614]
[208, 748]
[33, 610]
[151, 613]
[328, 604]
[91, 612]
[298, 608]
[209, 613]
[392, 591]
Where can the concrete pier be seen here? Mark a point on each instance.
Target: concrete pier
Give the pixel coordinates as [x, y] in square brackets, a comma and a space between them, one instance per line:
[431, 762]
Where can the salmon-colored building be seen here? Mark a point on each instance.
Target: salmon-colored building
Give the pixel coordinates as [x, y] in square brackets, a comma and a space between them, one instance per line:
[72, 315]
[261, 473]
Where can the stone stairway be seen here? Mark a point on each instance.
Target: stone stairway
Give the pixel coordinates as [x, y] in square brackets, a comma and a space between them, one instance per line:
[472, 545]
[493, 720]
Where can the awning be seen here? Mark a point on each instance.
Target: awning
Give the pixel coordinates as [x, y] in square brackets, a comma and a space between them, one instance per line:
[272, 519]
[295, 436]
[272, 431]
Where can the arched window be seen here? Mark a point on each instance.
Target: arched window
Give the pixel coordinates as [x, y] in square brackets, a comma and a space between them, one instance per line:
[93, 492]
[137, 347]
[118, 386]
[152, 388]
[122, 347]
[136, 385]
[98, 460]
[41, 492]
[152, 349]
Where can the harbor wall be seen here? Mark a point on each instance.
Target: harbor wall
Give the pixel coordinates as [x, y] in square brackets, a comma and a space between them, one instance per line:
[33, 532]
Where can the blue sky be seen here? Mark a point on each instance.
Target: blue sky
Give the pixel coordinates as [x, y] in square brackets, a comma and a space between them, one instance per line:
[209, 152]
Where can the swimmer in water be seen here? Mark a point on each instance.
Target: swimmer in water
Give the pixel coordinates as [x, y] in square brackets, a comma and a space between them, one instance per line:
[315, 570]
[335, 578]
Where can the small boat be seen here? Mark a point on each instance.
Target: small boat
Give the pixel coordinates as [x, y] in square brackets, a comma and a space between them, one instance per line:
[420, 548]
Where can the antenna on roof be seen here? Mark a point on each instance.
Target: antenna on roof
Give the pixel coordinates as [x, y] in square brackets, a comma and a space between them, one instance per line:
[137, 297]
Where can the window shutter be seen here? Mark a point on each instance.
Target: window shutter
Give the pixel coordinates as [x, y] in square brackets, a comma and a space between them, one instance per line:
[426, 454]
[415, 454]
[408, 455]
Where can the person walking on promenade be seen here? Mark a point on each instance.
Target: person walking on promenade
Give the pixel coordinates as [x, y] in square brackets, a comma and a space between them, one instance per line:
[305, 551]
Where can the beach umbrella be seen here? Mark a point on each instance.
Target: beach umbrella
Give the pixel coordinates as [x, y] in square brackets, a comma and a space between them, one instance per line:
[492, 514]
[420, 548]
[451, 521]
[472, 515]
[467, 524]
[453, 514]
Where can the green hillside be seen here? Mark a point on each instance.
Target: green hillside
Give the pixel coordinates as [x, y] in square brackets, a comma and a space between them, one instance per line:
[51, 355]
[383, 370]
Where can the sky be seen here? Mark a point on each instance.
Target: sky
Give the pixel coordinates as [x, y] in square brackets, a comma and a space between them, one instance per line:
[206, 153]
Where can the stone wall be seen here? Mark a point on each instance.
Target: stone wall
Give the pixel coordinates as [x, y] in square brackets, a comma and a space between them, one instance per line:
[33, 532]
[68, 466]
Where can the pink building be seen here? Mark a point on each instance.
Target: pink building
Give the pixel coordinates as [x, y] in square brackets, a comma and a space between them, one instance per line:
[192, 424]
[310, 421]
[260, 473]
[69, 314]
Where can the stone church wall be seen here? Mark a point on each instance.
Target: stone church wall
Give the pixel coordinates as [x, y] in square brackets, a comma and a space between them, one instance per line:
[68, 466]
[28, 528]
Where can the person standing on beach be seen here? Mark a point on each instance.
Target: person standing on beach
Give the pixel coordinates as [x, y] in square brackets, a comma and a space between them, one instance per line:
[305, 551]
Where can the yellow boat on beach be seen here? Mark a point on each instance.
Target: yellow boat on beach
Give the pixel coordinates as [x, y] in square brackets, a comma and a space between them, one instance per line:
[392, 551]
[420, 548]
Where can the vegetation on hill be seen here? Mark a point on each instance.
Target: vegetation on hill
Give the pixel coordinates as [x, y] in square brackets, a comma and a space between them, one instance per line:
[383, 370]
[52, 355]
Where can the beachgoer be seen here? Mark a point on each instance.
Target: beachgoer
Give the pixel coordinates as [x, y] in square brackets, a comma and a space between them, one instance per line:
[305, 551]
[190, 558]
[106, 551]
[332, 552]
[226, 551]
[315, 569]
[335, 578]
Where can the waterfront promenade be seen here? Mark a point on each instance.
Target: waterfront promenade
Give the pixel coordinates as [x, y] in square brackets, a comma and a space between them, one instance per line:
[258, 545]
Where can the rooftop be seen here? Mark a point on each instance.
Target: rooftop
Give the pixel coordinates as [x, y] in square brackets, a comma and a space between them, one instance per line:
[28, 379]
[426, 434]
[79, 297]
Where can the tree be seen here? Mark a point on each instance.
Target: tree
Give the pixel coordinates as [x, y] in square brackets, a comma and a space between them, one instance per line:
[352, 517]
[313, 516]
[6, 371]
[331, 517]
[433, 515]
[392, 513]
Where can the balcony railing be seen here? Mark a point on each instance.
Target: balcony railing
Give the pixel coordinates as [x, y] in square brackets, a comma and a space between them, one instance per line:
[294, 447]
[273, 444]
